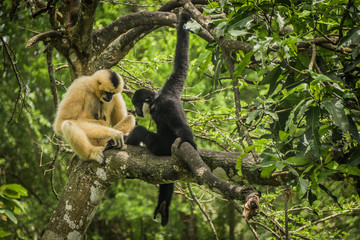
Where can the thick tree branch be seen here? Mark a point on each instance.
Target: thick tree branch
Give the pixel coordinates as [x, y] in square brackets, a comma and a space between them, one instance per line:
[45, 36]
[125, 23]
[203, 174]
[118, 49]
[88, 181]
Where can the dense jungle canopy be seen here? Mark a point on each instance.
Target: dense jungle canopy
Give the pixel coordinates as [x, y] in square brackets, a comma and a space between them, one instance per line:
[272, 97]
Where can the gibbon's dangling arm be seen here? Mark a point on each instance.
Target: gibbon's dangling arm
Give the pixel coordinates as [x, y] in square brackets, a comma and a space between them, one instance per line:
[175, 82]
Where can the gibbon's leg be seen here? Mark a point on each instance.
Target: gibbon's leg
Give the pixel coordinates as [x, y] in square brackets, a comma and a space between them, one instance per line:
[80, 143]
[137, 135]
[164, 201]
[126, 125]
[114, 137]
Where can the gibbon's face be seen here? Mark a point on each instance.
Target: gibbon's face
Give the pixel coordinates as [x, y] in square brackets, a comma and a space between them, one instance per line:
[142, 100]
[108, 84]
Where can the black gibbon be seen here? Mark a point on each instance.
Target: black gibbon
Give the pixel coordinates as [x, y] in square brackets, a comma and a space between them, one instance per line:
[166, 110]
[90, 106]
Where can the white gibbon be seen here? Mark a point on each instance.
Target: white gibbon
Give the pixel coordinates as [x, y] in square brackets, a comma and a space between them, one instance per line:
[90, 106]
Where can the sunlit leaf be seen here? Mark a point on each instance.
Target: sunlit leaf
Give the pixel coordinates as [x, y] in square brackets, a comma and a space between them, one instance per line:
[337, 113]
[303, 185]
[298, 160]
[352, 36]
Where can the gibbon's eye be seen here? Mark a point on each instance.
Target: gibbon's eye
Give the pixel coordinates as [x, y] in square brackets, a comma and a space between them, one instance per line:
[99, 82]
[147, 100]
[107, 96]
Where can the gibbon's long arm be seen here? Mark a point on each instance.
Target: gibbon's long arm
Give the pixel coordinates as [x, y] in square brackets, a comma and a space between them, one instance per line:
[175, 82]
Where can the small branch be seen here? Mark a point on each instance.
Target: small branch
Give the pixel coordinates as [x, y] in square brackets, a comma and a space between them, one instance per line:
[202, 210]
[45, 36]
[313, 56]
[268, 228]
[49, 55]
[52, 167]
[346, 13]
[17, 74]
[326, 218]
[256, 235]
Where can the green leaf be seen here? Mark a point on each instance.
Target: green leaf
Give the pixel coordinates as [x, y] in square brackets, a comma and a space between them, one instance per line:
[193, 26]
[355, 158]
[336, 110]
[292, 114]
[312, 119]
[237, 33]
[253, 115]
[243, 23]
[298, 160]
[304, 108]
[3, 234]
[293, 171]
[353, 129]
[311, 197]
[353, 171]
[283, 136]
[352, 36]
[10, 215]
[303, 185]
[243, 64]
[271, 77]
[334, 198]
[266, 171]
[13, 190]
[238, 164]
[273, 115]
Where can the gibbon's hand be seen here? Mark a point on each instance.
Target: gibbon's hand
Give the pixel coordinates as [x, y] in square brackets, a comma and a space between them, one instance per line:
[116, 142]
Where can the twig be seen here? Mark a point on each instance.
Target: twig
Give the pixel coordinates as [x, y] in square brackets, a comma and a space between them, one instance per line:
[52, 173]
[17, 74]
[346, 12]
[202, 210]
[268, 228]
[326, 218]
[256, 235]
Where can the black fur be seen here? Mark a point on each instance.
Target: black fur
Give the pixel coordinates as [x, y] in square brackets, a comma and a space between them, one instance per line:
[114, 79]
[167, 112]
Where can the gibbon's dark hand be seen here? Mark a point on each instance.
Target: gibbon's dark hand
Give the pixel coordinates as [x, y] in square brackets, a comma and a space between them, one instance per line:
[109, 145]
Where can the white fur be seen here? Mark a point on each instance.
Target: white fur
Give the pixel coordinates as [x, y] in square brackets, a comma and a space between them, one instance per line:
[146, 109]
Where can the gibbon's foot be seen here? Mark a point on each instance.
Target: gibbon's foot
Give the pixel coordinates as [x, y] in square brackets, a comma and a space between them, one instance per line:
[97, 155]
[163, 209]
